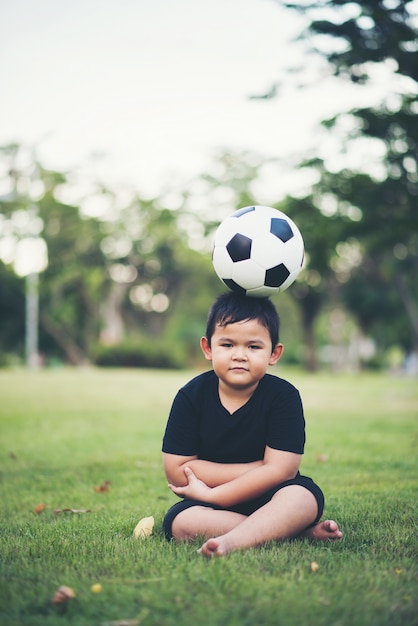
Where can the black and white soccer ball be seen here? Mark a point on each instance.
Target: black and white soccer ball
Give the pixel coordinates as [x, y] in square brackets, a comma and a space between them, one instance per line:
[258, 251]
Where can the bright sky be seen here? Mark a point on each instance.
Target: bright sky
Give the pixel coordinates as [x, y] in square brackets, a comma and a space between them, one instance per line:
[158, 86]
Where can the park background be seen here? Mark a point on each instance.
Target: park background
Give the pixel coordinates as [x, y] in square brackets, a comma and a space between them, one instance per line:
[128, 132]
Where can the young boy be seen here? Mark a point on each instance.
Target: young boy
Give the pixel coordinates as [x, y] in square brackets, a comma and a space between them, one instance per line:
[235, 438]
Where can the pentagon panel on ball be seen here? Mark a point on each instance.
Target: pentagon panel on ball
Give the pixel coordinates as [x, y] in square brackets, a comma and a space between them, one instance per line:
[258, 251]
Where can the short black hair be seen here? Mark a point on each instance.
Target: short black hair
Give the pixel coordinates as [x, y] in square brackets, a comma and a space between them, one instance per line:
[232, 307]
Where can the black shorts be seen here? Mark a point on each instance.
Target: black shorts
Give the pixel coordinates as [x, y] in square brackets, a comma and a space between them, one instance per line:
[246, 508]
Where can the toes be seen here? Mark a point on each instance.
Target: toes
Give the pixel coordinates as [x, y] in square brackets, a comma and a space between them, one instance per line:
[331, 527]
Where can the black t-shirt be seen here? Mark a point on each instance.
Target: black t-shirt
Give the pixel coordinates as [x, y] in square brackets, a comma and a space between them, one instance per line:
[200, 425]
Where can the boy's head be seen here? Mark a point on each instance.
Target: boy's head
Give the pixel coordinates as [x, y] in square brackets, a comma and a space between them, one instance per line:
[232, 307]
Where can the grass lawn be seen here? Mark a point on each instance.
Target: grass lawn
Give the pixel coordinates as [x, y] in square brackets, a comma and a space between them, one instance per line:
[66, 432]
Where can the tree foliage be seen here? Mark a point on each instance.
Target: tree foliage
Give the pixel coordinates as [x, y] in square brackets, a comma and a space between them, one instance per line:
[361, 37]
[123, 274]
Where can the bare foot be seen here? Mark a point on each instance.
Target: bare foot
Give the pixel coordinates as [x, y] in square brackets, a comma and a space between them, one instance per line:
[213, 547]
[324, 531]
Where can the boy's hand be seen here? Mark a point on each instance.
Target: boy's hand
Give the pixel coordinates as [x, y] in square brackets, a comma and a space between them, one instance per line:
[196, 489]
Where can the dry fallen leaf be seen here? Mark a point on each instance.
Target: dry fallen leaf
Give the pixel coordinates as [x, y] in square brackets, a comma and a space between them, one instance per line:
[39, 508]
[144, 527]
[13, 456]
[57, 511]
[96, 588]
[103, 487]
[314, 566]
[63, 594]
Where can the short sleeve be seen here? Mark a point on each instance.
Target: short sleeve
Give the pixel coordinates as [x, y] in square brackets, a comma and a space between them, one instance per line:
[181, 434]
[286, 422]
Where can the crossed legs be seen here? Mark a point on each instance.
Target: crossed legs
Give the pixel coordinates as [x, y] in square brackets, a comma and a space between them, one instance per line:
[289, 514]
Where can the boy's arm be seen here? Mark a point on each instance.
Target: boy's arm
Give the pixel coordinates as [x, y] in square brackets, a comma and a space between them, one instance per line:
[212, 474]
[277, 467]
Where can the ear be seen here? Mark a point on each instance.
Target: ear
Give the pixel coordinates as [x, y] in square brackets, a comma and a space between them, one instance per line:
[206, 349]
[276, 354]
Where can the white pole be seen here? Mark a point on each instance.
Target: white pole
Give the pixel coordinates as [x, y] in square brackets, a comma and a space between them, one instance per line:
[32, 315]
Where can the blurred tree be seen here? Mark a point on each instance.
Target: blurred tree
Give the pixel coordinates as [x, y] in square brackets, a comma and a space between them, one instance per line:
[156, 274]
[232, 184]
[12, 313]
[128, 271]
[74, 283]
[317, 285]
[74, 278]
[357, 38]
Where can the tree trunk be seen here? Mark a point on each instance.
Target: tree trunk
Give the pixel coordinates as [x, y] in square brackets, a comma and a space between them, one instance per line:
[310, 306]
[311, 359]
[75, 355]
[113, 326]
[410, 305]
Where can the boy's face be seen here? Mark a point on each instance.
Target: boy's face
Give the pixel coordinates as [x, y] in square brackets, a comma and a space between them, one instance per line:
[241, 353]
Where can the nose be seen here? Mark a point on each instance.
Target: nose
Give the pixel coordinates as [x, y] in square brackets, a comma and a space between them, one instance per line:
[239, 354]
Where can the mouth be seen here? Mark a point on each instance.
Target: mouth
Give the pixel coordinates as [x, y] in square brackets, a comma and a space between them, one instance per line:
[239, 369]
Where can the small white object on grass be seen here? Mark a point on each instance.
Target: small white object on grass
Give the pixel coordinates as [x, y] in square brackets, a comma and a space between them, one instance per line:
[144, 527]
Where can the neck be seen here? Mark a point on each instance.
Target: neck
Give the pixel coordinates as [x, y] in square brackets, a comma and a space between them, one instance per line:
[234, 398]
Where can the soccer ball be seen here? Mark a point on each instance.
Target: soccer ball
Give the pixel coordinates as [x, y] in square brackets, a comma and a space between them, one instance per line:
[258, 251]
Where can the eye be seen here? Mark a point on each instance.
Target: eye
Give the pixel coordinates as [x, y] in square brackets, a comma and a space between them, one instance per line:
[255, 347]
[226, 345]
